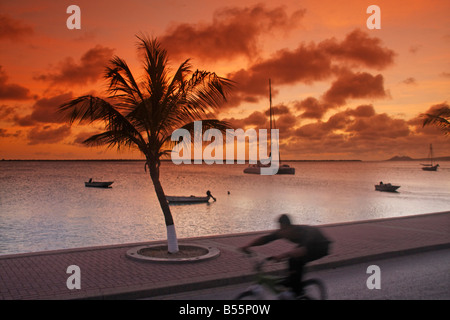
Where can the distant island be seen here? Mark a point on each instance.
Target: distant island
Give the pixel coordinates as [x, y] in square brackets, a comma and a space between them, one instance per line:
[406, 158]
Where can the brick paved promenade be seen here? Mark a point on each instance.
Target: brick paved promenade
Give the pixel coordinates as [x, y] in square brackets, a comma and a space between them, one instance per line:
[107, 273]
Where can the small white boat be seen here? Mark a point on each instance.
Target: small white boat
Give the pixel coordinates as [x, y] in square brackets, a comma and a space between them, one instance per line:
[386, 187]
[98, 184]
[190, 199]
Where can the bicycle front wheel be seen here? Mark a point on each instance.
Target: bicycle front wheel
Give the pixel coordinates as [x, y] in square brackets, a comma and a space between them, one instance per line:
[246, 295]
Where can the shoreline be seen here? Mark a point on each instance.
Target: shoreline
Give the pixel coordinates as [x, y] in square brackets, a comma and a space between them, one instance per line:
[206, 237]
[107, 273]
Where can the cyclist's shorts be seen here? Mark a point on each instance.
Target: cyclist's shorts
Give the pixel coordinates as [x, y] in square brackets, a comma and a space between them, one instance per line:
[317, 250]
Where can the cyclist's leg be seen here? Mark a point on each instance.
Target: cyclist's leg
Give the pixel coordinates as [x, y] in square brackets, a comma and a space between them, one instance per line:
[294, 280]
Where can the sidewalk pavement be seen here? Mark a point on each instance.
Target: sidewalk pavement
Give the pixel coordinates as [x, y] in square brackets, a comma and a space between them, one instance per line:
[107, 273]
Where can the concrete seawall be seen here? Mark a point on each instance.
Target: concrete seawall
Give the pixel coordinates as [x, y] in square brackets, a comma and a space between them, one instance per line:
[107, 273]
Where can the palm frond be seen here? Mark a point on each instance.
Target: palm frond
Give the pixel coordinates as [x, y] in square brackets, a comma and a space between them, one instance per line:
[207, 91]
[89, 109]
[114, 139]
[207, 124]
[155, 65]
[122, 83]
[146, 114]
[439, 117]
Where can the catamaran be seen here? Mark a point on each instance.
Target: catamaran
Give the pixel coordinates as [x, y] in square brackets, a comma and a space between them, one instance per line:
[283, 168]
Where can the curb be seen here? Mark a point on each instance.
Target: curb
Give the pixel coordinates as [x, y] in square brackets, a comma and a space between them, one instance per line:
[140, 293]
[135, 254]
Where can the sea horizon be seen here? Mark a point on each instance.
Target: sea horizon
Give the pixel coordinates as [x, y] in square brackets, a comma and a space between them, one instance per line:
[45, 205]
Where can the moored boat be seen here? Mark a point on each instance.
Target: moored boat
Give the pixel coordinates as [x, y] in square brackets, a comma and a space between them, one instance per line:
[256, 169]
[190, 199]
[430, 166]
[98, 184]
[283, 168]
[386, 187]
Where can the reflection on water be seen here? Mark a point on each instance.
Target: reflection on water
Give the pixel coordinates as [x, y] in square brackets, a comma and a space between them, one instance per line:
[44, 204]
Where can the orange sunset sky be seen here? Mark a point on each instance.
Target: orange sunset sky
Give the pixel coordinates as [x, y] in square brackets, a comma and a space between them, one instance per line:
[340, 90]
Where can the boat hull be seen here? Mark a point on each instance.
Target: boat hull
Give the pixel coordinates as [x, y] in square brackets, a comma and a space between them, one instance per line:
[285, 169]
[430, 168]
[191, 199]
[386, 187]
[98, 184]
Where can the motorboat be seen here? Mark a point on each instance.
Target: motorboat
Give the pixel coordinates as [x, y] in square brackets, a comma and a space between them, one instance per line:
[386, 187]
[190, 199]
[98, 184]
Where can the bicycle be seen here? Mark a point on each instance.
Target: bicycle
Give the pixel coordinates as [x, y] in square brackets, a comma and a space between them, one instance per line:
[271, 287]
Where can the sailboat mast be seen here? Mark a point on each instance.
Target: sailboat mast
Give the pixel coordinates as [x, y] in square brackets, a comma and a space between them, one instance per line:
[431, 154]
[270, 104]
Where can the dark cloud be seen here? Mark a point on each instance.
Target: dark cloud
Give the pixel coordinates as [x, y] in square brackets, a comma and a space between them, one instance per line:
[312, 108]
[410, 81]
[255, 120]
[278, 109]
[48, 134]
[11, 91]
[356, 86]
[317, 62]
[305, 64]
[7, 113]
[358, 47]
[13, 29]
[233, 32]
[89, 69]
[352, 133]
[45, 111]
[347, 86]
[6, 134]
[378, 126]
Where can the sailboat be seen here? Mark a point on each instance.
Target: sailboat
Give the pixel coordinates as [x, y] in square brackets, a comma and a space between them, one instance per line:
[430, 166]
[283, 168]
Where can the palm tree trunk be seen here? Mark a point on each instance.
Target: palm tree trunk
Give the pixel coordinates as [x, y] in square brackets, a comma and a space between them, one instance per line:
[172, 241]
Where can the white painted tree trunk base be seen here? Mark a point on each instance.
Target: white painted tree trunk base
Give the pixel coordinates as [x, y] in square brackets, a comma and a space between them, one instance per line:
[172, 241]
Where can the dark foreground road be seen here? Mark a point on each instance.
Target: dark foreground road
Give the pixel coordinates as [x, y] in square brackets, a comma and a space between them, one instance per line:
[422, 276]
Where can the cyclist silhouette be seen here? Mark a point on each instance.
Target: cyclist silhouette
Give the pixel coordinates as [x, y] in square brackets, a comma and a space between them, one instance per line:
[312, 245]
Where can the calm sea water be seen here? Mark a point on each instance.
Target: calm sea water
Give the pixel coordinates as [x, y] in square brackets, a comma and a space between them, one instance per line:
[44, 204]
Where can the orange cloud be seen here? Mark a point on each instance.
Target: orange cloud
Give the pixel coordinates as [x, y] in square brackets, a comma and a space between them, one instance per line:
[358, 47]
[315, 62]
[44, 111]
[11, 91]
[233, 32]
[312, 107]
[13, 29]
[354, 85]
[48, 134]
[88, 70]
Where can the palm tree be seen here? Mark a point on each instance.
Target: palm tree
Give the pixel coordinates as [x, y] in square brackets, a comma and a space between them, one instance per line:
[439, 117]
[144, 114]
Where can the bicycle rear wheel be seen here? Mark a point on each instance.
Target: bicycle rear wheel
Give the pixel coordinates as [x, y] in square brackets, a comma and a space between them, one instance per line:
[313, 289]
